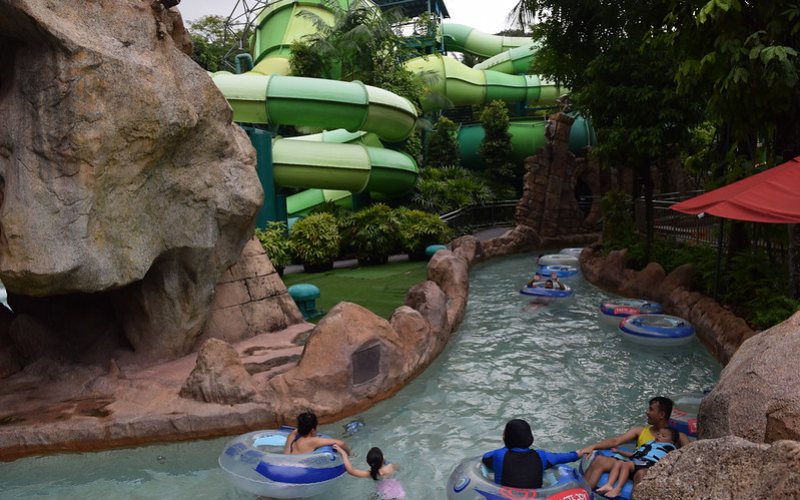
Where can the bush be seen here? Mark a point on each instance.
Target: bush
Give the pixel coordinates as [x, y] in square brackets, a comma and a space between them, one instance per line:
[443, 144]
[419, 229]
[496, 145]
[275, 240]
[618, 226]
[372, 234]
[441, 190]
[315, 241]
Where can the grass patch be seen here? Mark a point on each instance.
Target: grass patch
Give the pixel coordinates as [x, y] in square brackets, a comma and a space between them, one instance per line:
[381, 289]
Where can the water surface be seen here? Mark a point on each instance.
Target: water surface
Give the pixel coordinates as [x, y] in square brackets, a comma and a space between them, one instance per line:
[561, 368]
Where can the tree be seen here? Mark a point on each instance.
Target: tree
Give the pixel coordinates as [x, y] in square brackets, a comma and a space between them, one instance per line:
[621, 72]
[743, 58]
[496, 145]
[212, 43]
[443, 144]
[361, 44]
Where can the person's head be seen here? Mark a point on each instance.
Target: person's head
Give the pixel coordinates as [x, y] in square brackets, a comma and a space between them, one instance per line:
[667, 435]
[659, 410]
[306, 423]
[375, 461]
[548, 284]
[517, 434]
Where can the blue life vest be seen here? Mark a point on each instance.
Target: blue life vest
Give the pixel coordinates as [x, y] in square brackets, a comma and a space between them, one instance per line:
[653, 451]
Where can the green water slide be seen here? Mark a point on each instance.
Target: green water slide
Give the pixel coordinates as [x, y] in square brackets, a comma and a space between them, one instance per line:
[465, 86]
[461, 38]
[527, 136]
[513, 61]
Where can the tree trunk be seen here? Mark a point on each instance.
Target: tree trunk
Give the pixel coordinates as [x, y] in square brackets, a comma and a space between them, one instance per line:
[794, 261]
[647, 183]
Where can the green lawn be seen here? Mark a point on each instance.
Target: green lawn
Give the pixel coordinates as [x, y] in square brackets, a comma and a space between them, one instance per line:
[381, 289]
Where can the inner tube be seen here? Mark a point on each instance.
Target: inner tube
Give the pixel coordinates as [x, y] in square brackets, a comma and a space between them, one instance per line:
[684, 412]
[615, 310]
[471, 480]
[538, 290]
[255, 463]
[627, 489]
[656, 329]
[575, 252]
[561, 271]
[558, 259]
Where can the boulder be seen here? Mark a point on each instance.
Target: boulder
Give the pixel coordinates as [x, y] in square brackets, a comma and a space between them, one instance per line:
[431, 302]
[645, 283]
[416, 337]
[123, 173]
[757, 396]
[521, 238]
[729, 467]
[468, 248]
[680, 277]
[10, 361]
[352, 359]
[219, 376]
[452, 275]
[611, 274]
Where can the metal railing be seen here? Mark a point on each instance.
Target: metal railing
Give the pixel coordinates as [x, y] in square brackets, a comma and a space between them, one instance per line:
[485, 215]
[676, 225]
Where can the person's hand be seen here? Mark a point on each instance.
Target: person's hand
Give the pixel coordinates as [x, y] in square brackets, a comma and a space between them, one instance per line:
[585, 451]
[554, 275]
[615, 450]
[338, 449]
[293, 433]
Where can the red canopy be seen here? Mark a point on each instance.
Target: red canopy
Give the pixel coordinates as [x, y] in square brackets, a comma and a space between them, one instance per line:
[771, 196]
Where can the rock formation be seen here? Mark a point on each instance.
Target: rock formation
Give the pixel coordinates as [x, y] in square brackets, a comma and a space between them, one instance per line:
[126, 189]
[757, 396]
[728, 467]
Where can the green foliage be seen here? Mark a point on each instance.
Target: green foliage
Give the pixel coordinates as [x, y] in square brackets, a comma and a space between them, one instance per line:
[362, 44]
[496, 145]
[315, 239]
[372, 233]
[210, 42]
[443, 144]
[618, 225]
[441, 190]
[419, 229]
[275, 241]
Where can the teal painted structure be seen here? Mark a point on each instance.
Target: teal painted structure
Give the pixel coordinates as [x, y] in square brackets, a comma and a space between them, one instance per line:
[432, 249]
[305, 295]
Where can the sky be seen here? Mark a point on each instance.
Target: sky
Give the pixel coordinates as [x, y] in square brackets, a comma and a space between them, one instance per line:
[485, 15]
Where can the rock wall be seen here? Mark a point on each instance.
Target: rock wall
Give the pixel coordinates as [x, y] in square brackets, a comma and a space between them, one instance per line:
[721, 331]
[125, 188]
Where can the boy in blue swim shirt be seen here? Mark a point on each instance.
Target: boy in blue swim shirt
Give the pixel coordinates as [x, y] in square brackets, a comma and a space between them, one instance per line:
[517, 465]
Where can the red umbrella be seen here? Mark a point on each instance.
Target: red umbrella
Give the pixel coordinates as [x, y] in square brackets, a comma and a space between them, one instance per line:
[771, 196]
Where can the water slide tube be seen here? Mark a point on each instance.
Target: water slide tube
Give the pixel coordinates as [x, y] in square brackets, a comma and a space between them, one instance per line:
[461, 38]
[465, 86]
[527, 136]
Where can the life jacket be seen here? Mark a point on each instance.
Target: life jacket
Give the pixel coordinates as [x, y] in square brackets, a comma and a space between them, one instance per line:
[653, 451]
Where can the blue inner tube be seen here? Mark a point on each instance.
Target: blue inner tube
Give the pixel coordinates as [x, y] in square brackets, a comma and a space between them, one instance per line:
[656, 326]
[561, 271]
[622, 308]
[538, 290]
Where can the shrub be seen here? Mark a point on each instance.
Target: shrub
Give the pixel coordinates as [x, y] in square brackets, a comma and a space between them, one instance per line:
[371, 233]
[275, 240]
[496, 145]
[315, 240]
[443, 144]
[618, 226]
[441, 190]
[419, 229]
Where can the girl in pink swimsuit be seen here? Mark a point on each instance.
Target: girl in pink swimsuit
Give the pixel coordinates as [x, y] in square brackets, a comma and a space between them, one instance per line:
[388, 487]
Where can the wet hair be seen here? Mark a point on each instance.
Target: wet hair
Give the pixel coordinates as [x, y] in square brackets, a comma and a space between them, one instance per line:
[517, 434]
[306, 422]
[548, 282]
[375, 461]
[664, 404]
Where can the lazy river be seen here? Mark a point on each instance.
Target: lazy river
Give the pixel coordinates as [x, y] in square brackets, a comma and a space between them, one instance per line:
[559, 366]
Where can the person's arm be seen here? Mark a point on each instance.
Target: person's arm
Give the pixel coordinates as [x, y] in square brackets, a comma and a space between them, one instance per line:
[624, 453]
[550, 459]
[347, 465]
[287, 448]
[320, 442]
[612, 442]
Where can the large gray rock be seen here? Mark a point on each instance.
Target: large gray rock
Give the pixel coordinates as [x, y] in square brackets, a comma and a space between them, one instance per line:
[123, 172]
[729, 467]
[219, 376]
[758, 393]
[451, 273]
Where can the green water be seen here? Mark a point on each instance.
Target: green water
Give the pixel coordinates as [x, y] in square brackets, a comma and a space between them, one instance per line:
[559, 367]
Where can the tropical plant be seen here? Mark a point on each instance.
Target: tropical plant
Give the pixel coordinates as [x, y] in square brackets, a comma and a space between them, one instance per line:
[371, 233]
[443, 144]
[275, 240]
[441, 190]
[212, 43]
[315, 241]
[496, 145]
[618, 226]
[419, 229]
